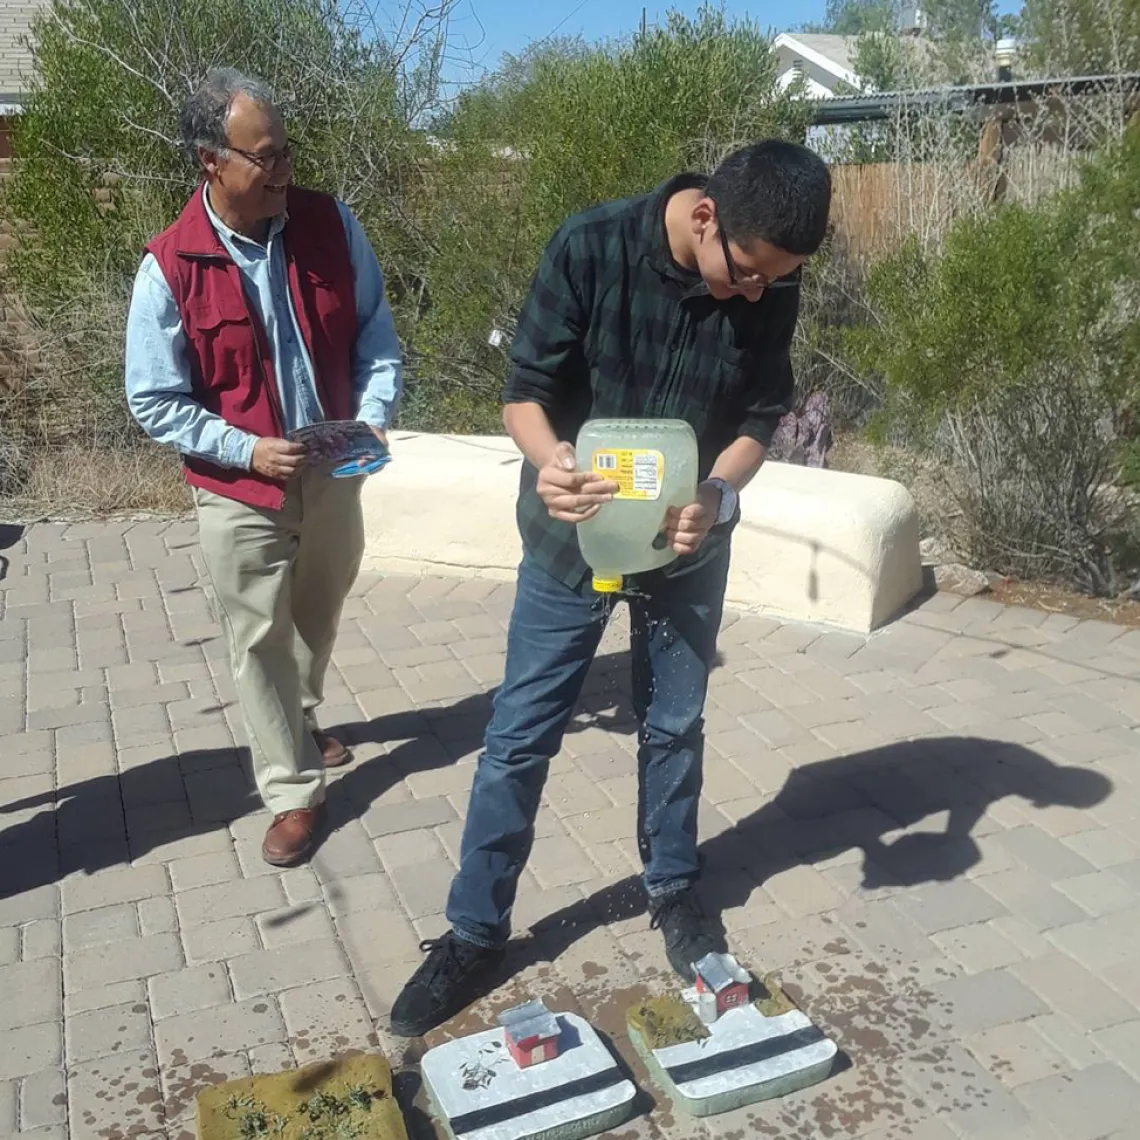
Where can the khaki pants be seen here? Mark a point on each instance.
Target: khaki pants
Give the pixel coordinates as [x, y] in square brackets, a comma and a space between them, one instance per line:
[280, 579]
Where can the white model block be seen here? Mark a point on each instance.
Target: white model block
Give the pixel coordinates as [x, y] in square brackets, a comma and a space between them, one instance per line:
[746, 1058]
[481, 1094]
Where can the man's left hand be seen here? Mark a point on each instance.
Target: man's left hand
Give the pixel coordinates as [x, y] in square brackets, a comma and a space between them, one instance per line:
[686, 528]
[366, 463]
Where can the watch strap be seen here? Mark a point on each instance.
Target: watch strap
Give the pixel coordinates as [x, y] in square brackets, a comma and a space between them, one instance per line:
[729, 498]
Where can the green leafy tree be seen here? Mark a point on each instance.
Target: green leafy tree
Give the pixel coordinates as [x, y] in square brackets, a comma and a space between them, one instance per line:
[1082, 37]
[858, 17]
[566, 128]
[489, 107]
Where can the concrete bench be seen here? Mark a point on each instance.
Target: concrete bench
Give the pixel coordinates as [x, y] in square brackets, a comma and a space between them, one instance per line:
[818, 546]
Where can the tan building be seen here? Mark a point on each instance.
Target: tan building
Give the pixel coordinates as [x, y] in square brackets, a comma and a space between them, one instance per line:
[15, 62]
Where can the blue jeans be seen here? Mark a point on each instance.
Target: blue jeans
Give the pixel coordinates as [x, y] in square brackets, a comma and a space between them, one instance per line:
[554, 634]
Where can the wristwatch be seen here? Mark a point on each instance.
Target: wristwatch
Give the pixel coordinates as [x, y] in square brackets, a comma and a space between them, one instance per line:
[728, 500]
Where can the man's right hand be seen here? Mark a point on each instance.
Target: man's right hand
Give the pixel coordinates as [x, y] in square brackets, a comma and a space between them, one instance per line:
[571, 495]
[277, 458]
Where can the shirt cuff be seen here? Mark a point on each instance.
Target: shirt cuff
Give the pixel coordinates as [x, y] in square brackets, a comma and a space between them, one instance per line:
[238, 450]
[526, 386]
[375, 414]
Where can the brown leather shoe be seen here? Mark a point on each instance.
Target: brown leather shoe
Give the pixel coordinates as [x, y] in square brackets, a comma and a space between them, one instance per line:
[333, 753]
[290, 837]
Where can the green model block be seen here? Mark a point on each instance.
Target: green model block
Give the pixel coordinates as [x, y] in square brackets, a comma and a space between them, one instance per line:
[349, 1098]
[766, 1048]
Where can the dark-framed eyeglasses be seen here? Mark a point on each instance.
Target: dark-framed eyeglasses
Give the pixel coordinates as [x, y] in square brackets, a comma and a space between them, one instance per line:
[751, 280]
[267, 160]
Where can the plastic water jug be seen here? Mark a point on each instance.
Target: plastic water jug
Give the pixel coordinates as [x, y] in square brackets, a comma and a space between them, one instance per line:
[654, 463]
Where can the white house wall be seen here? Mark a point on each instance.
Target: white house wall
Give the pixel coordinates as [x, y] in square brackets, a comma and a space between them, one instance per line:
[820, 83]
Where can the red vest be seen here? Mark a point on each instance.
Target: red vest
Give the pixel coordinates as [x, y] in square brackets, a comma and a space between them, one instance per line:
[231, 365]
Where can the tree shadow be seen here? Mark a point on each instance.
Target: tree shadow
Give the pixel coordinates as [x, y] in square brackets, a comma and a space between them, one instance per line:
[855, 802]
[115, 818]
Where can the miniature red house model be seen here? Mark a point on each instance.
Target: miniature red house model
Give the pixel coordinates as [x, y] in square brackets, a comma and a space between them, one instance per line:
[723, 977]
[531, 1032]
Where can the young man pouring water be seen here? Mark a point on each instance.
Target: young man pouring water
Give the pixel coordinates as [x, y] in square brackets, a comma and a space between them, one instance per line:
[679, 304]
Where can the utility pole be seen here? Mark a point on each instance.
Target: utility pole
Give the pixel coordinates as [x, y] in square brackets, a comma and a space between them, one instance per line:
[643, 22]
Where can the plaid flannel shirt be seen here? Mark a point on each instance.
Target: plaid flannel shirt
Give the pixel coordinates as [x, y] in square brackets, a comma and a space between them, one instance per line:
[613, 326]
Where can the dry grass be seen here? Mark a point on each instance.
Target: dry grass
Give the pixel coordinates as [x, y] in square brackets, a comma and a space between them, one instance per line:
[938, 519]
[73, 481]
[917, 473]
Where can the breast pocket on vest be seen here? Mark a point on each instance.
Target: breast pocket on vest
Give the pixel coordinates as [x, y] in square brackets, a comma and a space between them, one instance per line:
[222, 337]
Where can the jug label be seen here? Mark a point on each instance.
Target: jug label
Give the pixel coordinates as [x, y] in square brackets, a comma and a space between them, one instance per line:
[638, 472]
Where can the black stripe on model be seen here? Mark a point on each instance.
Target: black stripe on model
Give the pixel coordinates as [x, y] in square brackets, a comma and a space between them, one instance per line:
[531, 1102]
[714, 1063]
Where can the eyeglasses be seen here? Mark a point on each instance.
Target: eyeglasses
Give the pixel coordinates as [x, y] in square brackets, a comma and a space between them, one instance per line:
[751, 280]
[267, 160]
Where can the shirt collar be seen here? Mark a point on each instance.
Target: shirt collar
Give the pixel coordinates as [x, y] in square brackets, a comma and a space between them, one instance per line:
[276, 225]
[657, 238]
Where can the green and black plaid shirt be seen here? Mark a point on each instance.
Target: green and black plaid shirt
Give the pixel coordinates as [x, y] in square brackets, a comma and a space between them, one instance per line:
[613, 326]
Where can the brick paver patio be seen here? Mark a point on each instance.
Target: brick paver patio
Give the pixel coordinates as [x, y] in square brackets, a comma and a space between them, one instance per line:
[934, 833]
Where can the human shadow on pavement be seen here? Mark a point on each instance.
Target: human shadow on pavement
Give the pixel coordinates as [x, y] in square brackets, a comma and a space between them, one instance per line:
[10, 534]
[858, 801]
[84, 826]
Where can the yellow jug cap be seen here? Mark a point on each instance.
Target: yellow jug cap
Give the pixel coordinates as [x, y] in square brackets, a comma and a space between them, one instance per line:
[607, 585]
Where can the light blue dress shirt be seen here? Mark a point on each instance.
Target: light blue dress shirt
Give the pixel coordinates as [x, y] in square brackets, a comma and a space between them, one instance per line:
[159, 389]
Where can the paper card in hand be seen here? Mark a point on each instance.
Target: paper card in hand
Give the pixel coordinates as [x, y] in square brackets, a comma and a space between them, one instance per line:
[348, 446]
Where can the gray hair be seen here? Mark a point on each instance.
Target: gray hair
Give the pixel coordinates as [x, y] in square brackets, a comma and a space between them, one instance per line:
[204, 115]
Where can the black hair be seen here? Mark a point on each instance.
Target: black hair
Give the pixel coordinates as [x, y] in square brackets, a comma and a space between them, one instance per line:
[774, 191]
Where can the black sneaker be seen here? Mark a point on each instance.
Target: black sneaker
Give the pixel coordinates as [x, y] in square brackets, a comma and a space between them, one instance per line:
[689, 933]
[443, 985]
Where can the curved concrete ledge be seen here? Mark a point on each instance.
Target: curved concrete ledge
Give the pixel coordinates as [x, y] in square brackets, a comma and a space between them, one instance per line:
[819, 546]
[825, 546]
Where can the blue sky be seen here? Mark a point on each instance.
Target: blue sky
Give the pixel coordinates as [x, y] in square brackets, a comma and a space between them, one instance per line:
[484, 29]
[490, 27]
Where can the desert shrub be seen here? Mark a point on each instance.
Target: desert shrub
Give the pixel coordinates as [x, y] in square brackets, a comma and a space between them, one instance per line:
[833, 301]
[1011, 357]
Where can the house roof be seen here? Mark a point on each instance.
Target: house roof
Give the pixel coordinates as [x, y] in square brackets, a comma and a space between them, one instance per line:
[530, 1021]
[719, 971]
[884, 104]
[833, 53]
[15, 58]
[840, 49]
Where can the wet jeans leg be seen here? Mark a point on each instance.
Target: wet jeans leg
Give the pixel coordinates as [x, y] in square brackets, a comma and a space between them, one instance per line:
[553, 636]
[674, 629]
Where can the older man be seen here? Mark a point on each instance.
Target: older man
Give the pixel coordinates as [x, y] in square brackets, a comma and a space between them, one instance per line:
[259, 311]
